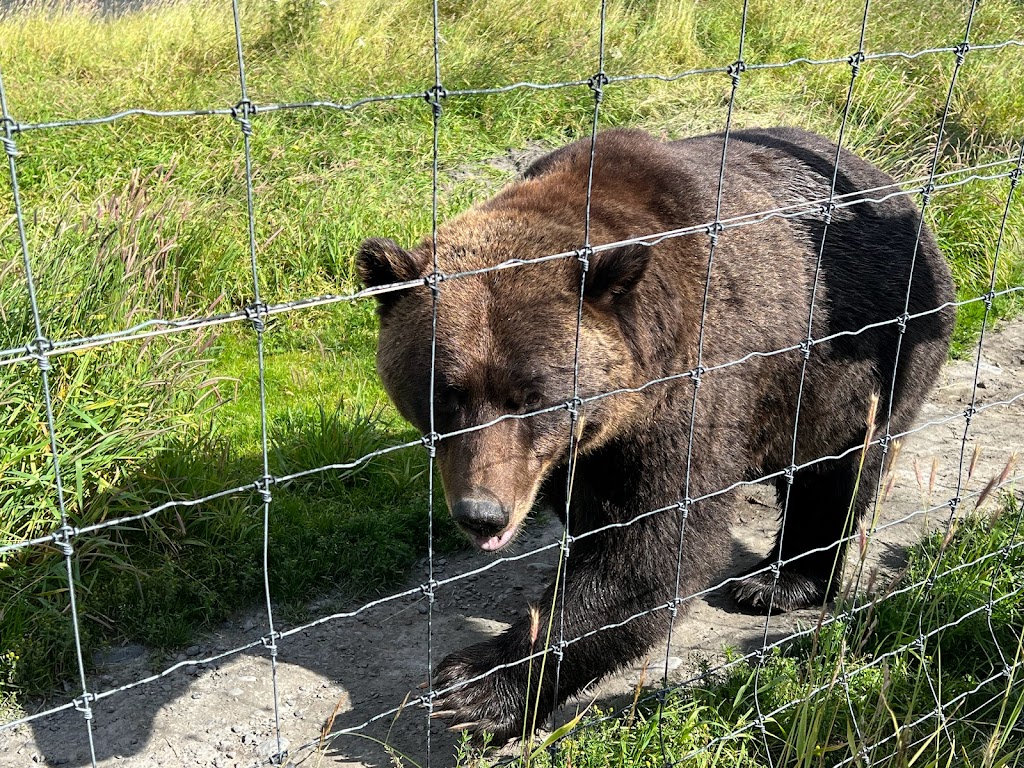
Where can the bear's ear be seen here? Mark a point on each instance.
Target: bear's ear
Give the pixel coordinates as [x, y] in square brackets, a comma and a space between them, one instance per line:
[616, 272]
[381, 261]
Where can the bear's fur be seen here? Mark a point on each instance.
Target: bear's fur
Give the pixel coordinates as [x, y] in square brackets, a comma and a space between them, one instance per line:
[506, 342]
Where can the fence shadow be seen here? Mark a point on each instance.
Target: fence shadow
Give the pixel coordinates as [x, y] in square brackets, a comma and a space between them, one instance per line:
[339, 674]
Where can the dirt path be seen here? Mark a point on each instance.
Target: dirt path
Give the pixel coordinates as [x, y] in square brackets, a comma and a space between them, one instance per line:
[220, 714]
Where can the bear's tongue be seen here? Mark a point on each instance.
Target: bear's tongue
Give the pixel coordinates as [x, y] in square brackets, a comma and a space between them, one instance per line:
[495, 543]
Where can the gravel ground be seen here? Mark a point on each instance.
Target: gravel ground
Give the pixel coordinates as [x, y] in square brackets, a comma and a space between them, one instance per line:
[221, 713]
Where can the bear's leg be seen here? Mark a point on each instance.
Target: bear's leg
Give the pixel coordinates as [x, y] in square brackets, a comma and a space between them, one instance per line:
[825, 503]
[617, 588]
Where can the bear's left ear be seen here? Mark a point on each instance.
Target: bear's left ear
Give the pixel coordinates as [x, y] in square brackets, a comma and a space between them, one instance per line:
[381, 261]
[616, 272]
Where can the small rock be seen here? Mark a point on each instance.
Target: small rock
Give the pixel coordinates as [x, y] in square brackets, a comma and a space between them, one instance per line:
[235, 692]
[269, 748]
[192, 650]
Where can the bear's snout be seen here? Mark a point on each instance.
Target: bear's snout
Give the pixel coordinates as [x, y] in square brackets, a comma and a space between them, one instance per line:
[484, 518]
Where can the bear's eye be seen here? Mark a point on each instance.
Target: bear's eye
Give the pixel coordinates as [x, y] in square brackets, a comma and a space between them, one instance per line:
[451, 397]
[525, 403]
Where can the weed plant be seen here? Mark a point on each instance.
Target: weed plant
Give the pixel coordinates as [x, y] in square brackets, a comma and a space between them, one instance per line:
[144, 217]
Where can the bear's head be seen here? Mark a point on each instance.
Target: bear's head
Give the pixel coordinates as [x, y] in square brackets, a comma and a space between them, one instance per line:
[503, 345]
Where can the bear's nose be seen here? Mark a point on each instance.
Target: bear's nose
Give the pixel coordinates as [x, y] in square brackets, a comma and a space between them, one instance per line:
[480, 516]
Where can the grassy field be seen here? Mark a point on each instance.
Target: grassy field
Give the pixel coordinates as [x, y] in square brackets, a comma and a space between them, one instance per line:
[146, 217]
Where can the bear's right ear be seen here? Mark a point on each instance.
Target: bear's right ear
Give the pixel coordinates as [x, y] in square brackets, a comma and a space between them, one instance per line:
[614, 273]
[381, 261]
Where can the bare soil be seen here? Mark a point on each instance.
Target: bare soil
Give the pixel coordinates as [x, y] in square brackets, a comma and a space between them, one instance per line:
[221, 713]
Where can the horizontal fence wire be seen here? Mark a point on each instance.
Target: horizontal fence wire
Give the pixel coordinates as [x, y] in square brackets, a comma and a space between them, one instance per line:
[41, 350]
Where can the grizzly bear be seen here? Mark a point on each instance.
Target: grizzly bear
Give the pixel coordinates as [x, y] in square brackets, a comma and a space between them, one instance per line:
[671, 412]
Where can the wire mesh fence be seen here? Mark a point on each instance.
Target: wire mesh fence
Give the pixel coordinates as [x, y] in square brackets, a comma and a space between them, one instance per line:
[865, 742]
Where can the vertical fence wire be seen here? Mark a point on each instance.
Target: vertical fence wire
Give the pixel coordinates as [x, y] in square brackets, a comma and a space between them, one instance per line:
[576, 414]
[39, 347]
[1015, 176]
[960, 54]
[434, 95]
[257, 312]
[855, 61]
[735, 70]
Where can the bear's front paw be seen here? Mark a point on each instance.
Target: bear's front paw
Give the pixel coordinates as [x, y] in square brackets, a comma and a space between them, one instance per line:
[792, 591]
[494, 703]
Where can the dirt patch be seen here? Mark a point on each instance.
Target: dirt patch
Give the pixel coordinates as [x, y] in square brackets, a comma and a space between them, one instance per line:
[220, 713]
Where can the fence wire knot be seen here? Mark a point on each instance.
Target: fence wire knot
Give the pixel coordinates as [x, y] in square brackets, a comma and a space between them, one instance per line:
[734, 71]
[596, 83]
[989, 298]
[428, 589]
[242, 112]
[695, 375]
[855, 60]
[40, 348]
[684, 507]
[901, 322]
[926, 193]
[262, 487]
[969, 412]
[433, 281]
[954, 503]
[433, 96]
[790, 473]
[713, 231]
[961, 51]
[805, 347]
[558, 649]
[9, 146]
[257, 314]
[583, 255]
[270, 642]
[574, 406]
[430, 441]
[82, 704]
[1014, 176]
[827, 209]
[62, 540]
[566, 544]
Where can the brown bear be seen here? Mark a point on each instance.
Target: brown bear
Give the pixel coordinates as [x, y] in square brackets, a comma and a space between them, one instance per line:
[506, 356]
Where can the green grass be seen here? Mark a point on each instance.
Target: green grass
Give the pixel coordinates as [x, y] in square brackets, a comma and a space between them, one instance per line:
[813, 719]
[146, 217]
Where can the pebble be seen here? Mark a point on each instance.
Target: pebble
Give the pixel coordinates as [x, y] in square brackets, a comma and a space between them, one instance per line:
[235, 692]
[269, 747]
[192, 650]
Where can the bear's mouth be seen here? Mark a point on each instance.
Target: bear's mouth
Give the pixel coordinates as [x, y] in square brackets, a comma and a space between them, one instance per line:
[494, 543]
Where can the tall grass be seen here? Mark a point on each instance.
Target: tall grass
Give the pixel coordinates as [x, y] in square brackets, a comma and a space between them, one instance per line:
[146, 217]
